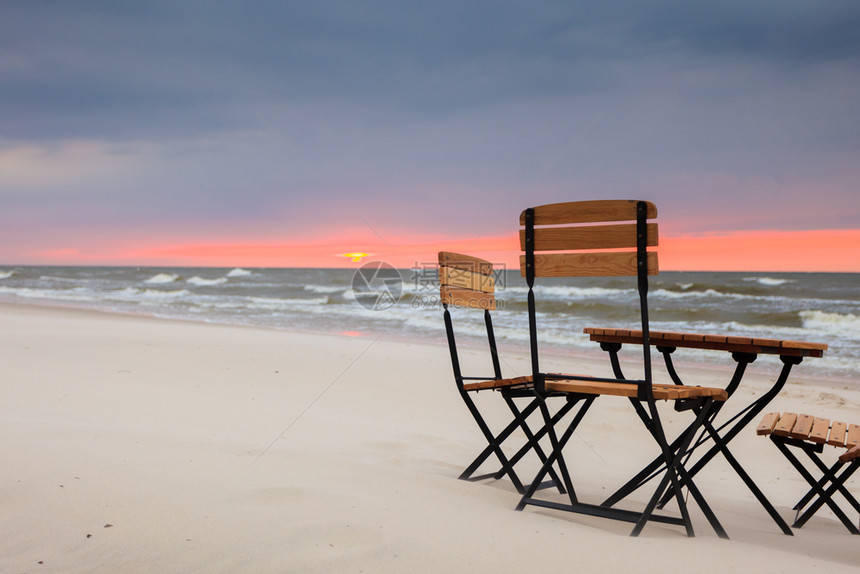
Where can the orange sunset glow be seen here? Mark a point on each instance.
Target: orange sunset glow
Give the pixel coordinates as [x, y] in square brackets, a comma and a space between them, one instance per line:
[812, 251]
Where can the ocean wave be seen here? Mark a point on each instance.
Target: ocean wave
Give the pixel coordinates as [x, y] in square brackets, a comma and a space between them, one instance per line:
[239, 272]
[162, 279]
[844, 325]
[74, 295]
[565, 292]
[7, 274]
[274, 304]
[156, 294]
[769, 281]
[55, 279]
[201, 282]
[133, 294]
[712, 293]
[324, 288]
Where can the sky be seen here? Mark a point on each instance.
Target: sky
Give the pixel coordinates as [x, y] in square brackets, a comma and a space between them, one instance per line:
[289, 133]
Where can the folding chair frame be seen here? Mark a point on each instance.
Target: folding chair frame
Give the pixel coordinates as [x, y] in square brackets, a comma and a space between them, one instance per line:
[672, 455]
[520, 416]
[817, 496]
[734, 426]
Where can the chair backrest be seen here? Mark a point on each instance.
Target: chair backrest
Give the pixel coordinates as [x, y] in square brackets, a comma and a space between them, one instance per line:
[560, 229]
[604, 238]
[466, 281]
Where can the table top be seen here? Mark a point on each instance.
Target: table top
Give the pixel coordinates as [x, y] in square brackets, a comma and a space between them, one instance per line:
[714, 342]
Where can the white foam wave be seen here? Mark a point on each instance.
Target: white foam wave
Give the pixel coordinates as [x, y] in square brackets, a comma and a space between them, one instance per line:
[6, 274]
[239, 272]
[324, 288]
[666, 294]
[275, 304]
[568, 293]
[162, 279]
[847, 325]
[155, 294]
[76, 295]
[55, 279]
[201, 282]
[769, 281]
[132, 294]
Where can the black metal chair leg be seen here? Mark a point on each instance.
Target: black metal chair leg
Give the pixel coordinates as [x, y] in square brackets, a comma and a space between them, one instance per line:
[824, 496]
[494, 447]
[678, 476]
[829, 475]
[534, 444]
[558, 444]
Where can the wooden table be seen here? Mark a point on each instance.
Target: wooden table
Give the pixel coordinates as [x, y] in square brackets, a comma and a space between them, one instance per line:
[744, 350]
[713, 342]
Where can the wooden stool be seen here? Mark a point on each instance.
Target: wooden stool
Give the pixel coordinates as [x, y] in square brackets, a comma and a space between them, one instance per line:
[810, 434]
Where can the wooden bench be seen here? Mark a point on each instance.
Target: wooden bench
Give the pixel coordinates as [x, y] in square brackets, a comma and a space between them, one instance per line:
[810, 434]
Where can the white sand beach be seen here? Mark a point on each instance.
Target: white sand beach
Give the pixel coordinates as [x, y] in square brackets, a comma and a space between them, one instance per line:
[133, 444]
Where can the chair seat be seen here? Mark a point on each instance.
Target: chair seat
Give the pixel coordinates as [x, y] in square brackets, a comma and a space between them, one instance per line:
[661, 392]
[499, 384]
[511, 383]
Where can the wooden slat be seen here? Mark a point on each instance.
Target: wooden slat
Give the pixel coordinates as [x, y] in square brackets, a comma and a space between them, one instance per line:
[498, 383]
[587, 264]
[661, 392]
[588, 212]
[853, 437]
[466, 298]
[593, 388]
[772, 343]
[453, 277]
[588, 237]
[819, 431]
[850, 454]
[803, 345]
[671, 337]
[465, 262]
[785, 424]
[767, 424]
[802, 427]
[837, 433]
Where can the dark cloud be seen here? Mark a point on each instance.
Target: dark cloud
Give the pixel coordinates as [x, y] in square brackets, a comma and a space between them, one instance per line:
[117, 66]
[234, 106]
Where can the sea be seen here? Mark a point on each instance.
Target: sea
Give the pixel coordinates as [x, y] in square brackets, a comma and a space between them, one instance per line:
[375, 300]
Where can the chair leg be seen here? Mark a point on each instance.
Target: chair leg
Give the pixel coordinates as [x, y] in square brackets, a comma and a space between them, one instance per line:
[823, 496]
[558, 444]
[494, 446]
[534, 438]
[643, 477]
[747, 479]
[676, 476]
[829, 475]
[827, 498]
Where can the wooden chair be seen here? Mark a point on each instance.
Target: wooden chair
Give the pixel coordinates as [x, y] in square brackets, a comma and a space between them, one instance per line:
[809, 434]
[469, 282]
[611, 238]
